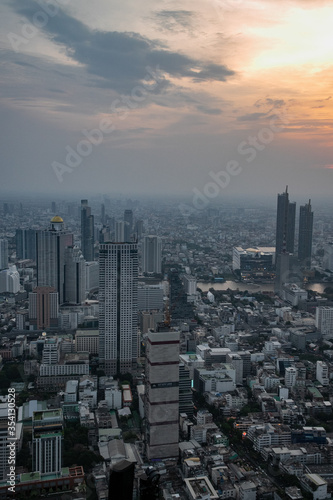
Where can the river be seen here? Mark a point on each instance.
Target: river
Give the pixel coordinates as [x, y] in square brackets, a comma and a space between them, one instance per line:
[256, 287]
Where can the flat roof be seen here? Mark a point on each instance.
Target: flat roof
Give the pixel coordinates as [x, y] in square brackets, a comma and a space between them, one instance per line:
[316, 479]
[47, 414]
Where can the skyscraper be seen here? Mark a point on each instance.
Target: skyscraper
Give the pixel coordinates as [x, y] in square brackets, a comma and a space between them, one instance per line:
[87, 231]
[305, 234]
[10, 280]
[25, 244]
[282, 271]
[185, 391]
[75, 276]
[3, 253]
[285, 224]
[152, 255]
[118, 297]
[162, 394]
[324, 321]
[128, 221]
[50, 256]
[103, 218]
[120, 232]
[139, 228]
[43, 308]
[122, 480]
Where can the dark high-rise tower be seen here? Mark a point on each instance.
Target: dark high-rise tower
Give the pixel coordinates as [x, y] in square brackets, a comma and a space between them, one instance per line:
[50, 255]
[122, 480]
[305, 234]
[185, 391]
[25, 240]
[152, 254]
[87, 231]
[75, 276]
[128, 221]
[103, 214]
[285, 224]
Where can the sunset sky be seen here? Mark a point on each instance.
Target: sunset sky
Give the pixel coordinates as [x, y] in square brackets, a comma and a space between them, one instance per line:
[175, 90]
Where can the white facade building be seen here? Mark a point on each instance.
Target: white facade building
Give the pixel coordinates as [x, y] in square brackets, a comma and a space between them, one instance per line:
[51, 351]
[247, 491]
[113, 398]
[190, 284]
[9, 280]
[290, 376]
[71, 391]
[293, 294]
[47, 438]
[118, 303]
[324, 321]
[322, 373]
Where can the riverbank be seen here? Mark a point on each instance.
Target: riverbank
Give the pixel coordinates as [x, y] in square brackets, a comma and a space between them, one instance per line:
[318, 287]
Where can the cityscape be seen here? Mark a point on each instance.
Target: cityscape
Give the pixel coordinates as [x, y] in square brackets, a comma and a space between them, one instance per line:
[184, 357]
[166, 250]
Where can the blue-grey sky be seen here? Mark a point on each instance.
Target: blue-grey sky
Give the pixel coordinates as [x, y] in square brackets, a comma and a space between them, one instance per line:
[173, 93]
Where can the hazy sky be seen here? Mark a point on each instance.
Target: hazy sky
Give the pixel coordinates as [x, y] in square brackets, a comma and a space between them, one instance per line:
[223, 97]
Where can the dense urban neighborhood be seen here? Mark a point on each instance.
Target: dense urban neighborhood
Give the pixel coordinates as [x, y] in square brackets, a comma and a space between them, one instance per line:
[176, 352]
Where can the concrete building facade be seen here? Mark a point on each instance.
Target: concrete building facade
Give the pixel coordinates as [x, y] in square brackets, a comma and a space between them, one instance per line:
[162, 394]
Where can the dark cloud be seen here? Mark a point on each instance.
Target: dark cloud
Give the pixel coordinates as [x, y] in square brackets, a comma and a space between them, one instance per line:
[323, 100]
[209, 111]
[276, 103]
[120, 59]
[251, 117]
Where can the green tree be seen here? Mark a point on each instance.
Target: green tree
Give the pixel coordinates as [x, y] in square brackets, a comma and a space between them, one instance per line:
[75, 434]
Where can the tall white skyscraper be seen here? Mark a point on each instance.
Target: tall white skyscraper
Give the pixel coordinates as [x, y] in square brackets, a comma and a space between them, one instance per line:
[152, 254]
[118, 304]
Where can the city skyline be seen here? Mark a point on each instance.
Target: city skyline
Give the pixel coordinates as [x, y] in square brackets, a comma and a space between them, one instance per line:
[176, 97]
[167, 350]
